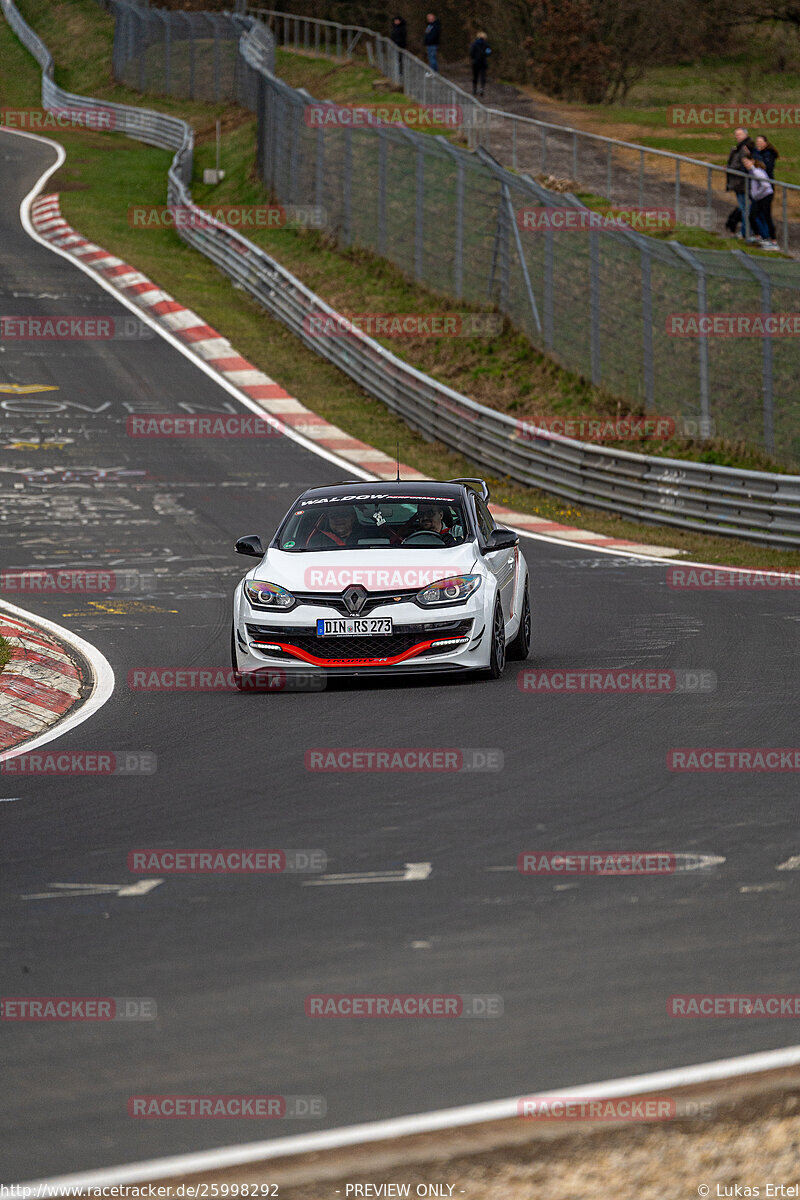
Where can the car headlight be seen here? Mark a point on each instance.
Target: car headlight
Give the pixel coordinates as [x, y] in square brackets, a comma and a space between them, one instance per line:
[268, 595]
[448, 591]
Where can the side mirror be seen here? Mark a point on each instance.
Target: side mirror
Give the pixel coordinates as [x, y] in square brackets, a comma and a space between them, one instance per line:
[250, 545]
[502, 539]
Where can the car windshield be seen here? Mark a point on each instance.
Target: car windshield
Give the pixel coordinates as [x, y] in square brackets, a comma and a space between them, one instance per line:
[404, 522]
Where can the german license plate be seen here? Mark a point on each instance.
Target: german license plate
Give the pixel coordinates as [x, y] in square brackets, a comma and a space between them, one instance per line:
[354, 626]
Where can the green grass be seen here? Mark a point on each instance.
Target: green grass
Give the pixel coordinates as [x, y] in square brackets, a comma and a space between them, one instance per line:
[105, 174]
[5, 653]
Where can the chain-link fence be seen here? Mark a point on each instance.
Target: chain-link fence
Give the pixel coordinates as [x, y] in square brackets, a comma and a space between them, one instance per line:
[624, 310]
[191, 55]
[623, 173]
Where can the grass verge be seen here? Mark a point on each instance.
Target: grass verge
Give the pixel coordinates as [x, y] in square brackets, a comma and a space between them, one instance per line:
[5, 653]
[106, 173]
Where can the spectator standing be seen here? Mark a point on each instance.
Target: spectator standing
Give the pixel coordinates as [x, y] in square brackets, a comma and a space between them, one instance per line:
[738, 183]
[399, 36]
[769, 156]
[433, 37]
[479, 53]
[760, 190]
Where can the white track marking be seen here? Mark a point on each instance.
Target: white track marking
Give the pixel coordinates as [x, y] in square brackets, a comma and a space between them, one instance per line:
[68, 891]
[411, 872]
[791, 864]
[102, 680]
[444, 1118]
[185, 349]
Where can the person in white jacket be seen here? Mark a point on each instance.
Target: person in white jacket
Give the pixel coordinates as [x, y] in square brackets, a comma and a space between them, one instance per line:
[760, 191]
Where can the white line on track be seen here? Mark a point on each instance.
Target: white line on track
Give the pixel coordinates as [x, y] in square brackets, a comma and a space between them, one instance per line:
[446, 1118]
[102, 680]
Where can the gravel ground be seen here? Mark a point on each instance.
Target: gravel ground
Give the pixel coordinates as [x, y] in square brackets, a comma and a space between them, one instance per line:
[752, 1142]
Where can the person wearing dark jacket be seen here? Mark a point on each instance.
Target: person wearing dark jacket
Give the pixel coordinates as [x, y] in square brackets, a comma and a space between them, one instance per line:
[433, 36]
[769, 156]
[738, 183]
[479, 53]
[399, 37]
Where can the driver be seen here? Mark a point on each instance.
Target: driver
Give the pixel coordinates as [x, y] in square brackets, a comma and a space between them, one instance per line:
[430, 517]
[340, 530]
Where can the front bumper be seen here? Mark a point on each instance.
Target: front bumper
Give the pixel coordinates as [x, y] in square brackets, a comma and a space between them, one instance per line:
[442, 639]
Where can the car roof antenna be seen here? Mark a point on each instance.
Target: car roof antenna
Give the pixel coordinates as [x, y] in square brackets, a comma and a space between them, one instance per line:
[397, 447]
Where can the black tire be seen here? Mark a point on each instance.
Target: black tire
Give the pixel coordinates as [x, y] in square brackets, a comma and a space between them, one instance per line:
[497, 657]
[520, 647]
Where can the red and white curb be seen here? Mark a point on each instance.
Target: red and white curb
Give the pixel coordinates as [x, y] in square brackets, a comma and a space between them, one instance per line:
[39, 684]
[216, 352]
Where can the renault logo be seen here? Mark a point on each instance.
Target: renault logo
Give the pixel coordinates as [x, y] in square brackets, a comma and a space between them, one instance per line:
[354, 598]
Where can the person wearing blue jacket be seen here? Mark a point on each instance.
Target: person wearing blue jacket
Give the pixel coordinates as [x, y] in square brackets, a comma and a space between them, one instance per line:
[433, 36]
[479, 53]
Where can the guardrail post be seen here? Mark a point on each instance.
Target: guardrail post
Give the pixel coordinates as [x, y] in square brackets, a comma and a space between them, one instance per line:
[709, 201]
[702, 309]
[419, 212]
[641, 179]
[574, 155]
[648, 371]
[594, 301]
[677, 189]
[609, 169]
[751, 264]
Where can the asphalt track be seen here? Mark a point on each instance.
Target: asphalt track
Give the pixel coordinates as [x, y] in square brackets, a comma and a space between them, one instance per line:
[584, 969]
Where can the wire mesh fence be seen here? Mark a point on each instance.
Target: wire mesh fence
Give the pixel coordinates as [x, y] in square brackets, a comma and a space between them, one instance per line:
[621, 172]
[624, 310]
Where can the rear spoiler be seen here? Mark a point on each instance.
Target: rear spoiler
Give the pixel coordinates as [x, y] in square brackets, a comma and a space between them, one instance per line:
[477, 485]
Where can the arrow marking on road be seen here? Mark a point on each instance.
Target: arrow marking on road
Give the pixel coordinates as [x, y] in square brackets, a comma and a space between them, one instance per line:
[412, 872]
[64, 891]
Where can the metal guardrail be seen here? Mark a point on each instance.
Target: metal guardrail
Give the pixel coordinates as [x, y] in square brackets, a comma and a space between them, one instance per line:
[622, 172]
[757, 506]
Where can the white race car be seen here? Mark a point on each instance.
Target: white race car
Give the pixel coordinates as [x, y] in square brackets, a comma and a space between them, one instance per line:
[383, 578]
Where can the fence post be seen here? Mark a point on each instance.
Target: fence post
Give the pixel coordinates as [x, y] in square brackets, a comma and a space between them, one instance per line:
[702, 309]
[191, 56]
[167, 52]
[677, 189]
[609, 171]
[143, 40]
[319, 181]
[419, 216]
[347, 184]
[751, 264]
[521, 253]
[641, 179]
[549, 298]
[648, 369]
[574, 155]
[594, 303]
[383, 188]
[215, 26]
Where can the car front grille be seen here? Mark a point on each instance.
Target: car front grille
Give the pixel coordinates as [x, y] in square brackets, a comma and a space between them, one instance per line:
[334, 649]
[335, 600]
